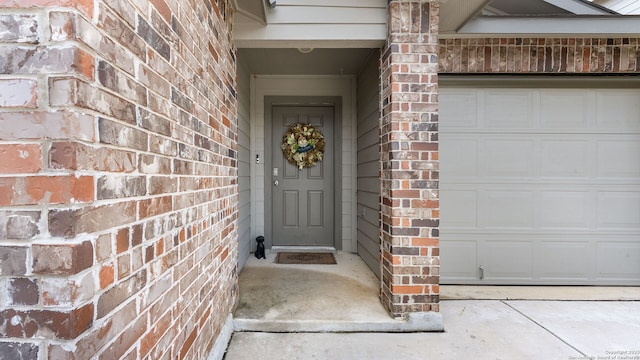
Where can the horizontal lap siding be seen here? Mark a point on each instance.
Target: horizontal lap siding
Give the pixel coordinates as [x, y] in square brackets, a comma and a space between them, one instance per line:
[336, 21]
[368, 195]
[244, 166]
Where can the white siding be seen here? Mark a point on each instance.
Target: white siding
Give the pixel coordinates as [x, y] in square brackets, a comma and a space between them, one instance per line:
[297, 23]
[245, 243]
[368, 193]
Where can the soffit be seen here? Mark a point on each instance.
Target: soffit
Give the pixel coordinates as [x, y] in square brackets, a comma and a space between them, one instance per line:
[321, 61]
[457, 15]
[252, 9]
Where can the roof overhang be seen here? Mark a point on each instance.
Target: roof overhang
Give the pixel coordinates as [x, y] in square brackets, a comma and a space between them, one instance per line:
[492, 26]
[500, 18]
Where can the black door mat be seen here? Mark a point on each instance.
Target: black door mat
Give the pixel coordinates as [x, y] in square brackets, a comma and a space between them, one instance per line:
[323, 258]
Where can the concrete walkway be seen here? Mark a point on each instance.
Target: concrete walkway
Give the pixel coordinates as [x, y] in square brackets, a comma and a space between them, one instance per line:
[474, 329]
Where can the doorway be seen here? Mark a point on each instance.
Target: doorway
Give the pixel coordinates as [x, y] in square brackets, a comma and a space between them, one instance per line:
[301, 204]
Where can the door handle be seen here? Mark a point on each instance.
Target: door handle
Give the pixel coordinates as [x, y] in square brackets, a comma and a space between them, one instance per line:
[275, 183]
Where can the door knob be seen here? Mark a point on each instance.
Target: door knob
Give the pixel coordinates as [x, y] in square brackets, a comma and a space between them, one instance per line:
[275, 183]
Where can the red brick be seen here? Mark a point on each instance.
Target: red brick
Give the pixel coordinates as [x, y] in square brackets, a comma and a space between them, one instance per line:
[76, 156]
[163, 9]
[68, 223]
[106, 276]
[408, 289]
[125, 341]
[65, 92]
[425, 242]
[18, 158]
[155, 206]
[120, 292]
[188, 342]
[429, 204]
[124, 265]
[23, 291]
[122, 240]
[85, 6]
[48, 323]
[34, 190]
[158, 329]
[71, 291]
[49, 125]
[62, 259]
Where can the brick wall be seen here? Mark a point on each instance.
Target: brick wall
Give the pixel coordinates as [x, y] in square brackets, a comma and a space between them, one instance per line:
[540, 55]
[409, 153]
[118, 178]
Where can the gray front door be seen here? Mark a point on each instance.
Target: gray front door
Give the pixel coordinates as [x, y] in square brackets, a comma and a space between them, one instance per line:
[302, 208]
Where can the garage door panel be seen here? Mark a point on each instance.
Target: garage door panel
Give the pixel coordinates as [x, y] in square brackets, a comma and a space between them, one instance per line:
[618, 158]
[565, 109]
[463, 264]
[619, 260]
[463, 108]
[618, 210]
[518, 115]
[508, 158]
[618, 110]
[565, 209]
[507, 259]
[460, 157]
[568, 260]
[460, 208]
[545, 188]
[506, 209]
[565, 158]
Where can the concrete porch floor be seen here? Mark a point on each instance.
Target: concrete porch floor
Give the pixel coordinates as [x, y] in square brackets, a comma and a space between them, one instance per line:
[314, 298]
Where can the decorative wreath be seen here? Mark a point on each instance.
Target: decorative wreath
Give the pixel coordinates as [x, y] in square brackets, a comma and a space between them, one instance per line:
[303, 145]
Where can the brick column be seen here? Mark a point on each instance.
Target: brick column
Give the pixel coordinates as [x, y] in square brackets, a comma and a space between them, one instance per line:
[409, 154]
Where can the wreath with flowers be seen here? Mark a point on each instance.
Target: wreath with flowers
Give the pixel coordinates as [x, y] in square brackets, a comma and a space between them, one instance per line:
[303, 145]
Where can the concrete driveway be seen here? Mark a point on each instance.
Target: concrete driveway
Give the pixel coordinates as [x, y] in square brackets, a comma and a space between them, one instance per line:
[284, 309]
[474, 329]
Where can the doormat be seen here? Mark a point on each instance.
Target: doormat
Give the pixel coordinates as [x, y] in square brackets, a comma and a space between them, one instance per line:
[324, 258]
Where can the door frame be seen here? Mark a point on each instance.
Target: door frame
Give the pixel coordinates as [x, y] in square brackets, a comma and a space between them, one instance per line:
[328, 86]
[336, 102]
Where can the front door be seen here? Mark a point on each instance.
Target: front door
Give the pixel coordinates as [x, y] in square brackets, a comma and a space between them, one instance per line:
[302, 207]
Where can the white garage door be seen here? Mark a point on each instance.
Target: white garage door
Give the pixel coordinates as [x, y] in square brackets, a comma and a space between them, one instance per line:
[540, 186]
